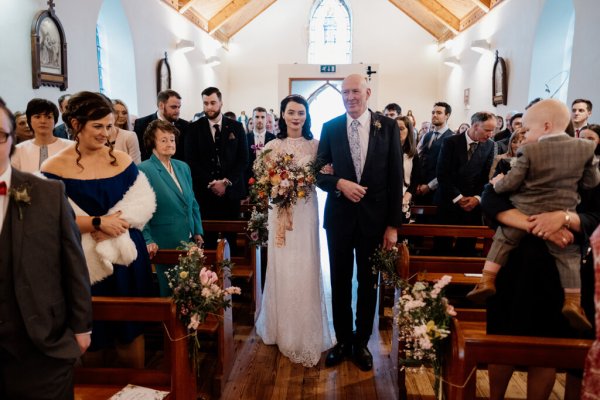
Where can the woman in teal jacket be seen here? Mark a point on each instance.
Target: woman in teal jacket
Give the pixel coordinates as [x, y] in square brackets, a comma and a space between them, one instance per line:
[177, 216]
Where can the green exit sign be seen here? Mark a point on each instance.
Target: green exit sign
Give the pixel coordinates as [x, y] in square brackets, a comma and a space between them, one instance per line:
[327, 68]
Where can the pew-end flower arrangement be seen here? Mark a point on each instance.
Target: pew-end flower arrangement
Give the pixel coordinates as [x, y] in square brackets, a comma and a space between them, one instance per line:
[197, 293]
[281, 181]
[422, 315]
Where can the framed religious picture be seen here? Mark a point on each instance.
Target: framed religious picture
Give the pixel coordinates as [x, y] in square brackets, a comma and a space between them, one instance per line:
[499, 82]
[48, 50]
[163, 75]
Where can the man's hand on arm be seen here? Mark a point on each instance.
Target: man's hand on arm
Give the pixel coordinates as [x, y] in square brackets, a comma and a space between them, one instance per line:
[351, 190]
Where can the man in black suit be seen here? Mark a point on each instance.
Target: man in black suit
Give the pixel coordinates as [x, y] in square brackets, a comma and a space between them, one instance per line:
[429, 149]
[45, 298]
[169, 106]
[257, 139]
[462, 170]
[217, 154]
[363, 211]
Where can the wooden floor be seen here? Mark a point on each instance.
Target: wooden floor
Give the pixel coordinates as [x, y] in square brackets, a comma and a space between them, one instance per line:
[262, 373]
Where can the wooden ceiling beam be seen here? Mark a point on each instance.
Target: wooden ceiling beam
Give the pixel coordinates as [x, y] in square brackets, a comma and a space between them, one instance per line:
[442, 14]
[186, 6]
[471, 18]
[236, 29]
[222, 16]
[484, 5]
[406, 9]
[197, 19]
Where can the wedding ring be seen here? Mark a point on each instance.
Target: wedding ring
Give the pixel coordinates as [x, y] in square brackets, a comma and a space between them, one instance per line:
[564, 240]
[541, 234]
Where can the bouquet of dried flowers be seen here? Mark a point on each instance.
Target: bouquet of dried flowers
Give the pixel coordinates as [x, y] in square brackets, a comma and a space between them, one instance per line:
[258, 230]
[281, 181]
[198, 292]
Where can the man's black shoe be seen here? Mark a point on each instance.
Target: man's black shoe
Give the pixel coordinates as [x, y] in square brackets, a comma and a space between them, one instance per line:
[362, 357]
[337, 354]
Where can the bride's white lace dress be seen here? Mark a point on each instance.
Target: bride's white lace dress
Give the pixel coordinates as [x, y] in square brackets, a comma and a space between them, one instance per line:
[293, 314]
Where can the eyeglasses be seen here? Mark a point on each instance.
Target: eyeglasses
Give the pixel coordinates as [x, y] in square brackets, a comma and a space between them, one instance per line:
[4, 137]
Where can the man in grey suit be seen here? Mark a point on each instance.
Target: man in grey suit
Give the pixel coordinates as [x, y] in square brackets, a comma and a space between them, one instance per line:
[45, 300]
[545, 178]
[363, 211]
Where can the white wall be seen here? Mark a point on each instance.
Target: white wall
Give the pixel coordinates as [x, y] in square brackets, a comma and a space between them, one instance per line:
[403, 54]
[514, 39]
[154, 28]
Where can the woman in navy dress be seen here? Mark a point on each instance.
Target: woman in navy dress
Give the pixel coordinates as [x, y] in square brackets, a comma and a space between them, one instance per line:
[96, 178]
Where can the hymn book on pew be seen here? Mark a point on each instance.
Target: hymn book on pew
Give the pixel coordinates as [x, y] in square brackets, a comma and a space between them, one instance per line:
[134, 392]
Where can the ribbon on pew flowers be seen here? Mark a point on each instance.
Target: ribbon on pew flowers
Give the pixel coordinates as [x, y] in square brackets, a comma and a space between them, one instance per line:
[197, 293]
[422, 314]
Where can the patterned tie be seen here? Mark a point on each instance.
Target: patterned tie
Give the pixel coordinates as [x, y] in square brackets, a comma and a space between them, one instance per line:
[354, 141]
[2, 188]
[217, 142]
[43, 155]
[472, 149]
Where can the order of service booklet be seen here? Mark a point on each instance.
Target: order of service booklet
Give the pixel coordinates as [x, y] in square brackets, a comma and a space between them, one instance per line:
[133, 392]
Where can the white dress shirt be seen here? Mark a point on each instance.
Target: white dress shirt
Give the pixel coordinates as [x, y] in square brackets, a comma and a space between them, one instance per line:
[213, 122]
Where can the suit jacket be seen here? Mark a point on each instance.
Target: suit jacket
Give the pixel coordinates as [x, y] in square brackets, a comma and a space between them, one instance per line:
[546, 174]
[457, 175]
[61, 131]
[177, 212]
[252, 155]
[428, 156]
[382, 175]
[51, 281]
[201, 156]
[140, 127]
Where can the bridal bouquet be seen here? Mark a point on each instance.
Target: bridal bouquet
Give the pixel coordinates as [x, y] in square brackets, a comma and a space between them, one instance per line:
[197, 292]
[282, 181]
[257, 229]
[423, 318]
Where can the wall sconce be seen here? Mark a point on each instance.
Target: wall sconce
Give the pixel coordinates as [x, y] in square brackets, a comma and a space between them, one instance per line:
[480, 46]
[212, 61]
[452, 61]
[185, 45]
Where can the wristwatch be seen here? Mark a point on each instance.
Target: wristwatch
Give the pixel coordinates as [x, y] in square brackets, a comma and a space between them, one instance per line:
[96, 221]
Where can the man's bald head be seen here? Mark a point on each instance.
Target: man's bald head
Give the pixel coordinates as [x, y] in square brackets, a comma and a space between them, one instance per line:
[544, 118]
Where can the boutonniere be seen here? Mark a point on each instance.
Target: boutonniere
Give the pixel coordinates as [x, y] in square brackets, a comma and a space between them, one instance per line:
[377, 125]
[257, 147]
[20, 195]
[231, 136]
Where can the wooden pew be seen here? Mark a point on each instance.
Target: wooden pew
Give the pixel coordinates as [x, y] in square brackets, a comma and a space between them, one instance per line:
[471, 347]
[178, 377]
[221, 328]
[431, 268]
[248, 265]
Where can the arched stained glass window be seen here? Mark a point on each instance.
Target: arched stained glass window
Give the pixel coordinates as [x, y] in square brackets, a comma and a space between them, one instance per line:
[330, 33]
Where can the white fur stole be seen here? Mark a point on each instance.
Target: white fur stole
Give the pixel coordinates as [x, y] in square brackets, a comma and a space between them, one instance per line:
[137, 206]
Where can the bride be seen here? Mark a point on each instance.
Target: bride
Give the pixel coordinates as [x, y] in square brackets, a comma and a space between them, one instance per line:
[293, 313]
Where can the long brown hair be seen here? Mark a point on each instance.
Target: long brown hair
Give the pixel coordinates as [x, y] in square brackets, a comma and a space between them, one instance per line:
[410, 146]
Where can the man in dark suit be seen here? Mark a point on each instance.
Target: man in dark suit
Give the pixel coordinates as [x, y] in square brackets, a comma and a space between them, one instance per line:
[429, 149]
[217, 154]
[169, 106]
[257, 139]
[45, 299]
[462, 170]
[363, 211]
[61, 129]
